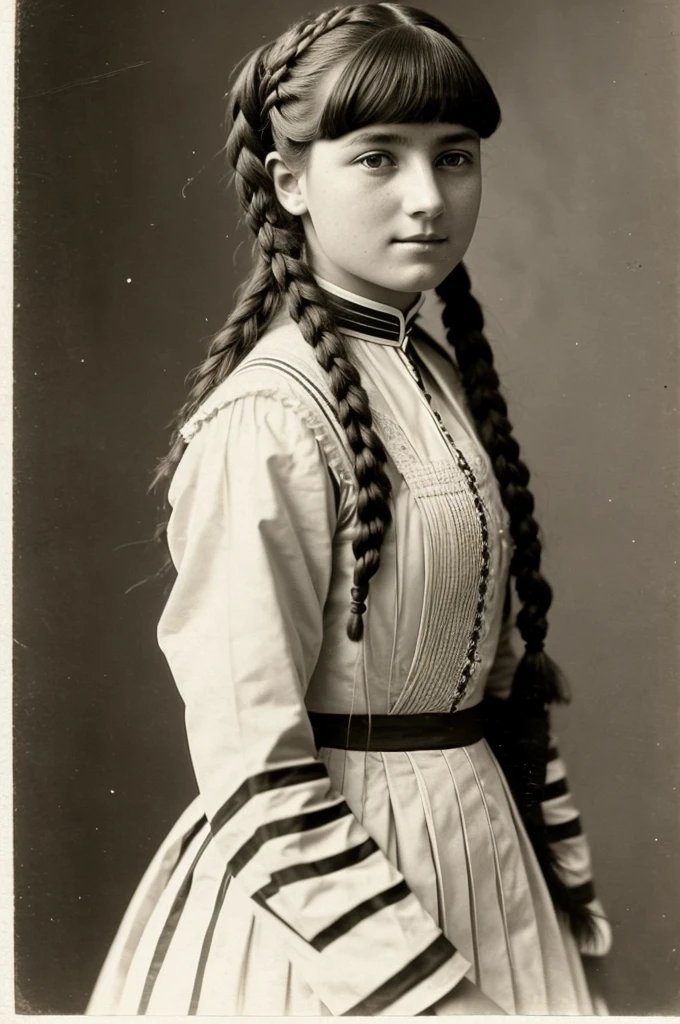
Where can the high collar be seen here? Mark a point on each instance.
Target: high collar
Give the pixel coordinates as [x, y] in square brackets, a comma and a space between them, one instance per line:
[372, 321]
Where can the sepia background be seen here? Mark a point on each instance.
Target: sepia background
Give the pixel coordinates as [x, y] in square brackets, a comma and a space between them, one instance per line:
[128, 251]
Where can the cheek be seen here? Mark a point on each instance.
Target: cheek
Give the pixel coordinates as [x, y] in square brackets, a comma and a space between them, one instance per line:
[344, 215]
[346, 195]
[476, 200]
[465, 204]
[469, 198]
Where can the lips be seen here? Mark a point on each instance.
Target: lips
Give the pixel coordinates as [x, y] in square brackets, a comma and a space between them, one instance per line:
[430, 239]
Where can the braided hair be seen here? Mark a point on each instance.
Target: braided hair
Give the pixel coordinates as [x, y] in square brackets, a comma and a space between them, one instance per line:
[517, 728]
[396, 64]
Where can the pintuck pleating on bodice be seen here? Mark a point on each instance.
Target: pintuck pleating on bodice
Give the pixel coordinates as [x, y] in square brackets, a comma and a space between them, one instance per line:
[328, 881]
[435, 606]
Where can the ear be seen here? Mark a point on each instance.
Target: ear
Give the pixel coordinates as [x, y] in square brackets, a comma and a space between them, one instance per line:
[286, 185]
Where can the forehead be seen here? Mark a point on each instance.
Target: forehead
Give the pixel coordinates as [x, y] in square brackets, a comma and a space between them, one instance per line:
[432, 134]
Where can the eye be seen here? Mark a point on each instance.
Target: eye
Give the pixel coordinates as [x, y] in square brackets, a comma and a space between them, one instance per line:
[455, 159]
[372, 161]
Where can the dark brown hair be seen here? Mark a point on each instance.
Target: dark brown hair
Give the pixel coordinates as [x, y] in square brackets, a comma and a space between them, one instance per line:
[395, 64]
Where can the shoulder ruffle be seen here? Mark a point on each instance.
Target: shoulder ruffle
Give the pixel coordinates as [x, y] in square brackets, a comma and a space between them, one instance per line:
[224, 396]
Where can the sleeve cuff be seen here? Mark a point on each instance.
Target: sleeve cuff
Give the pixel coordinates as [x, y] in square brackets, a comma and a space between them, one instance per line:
[422, 997]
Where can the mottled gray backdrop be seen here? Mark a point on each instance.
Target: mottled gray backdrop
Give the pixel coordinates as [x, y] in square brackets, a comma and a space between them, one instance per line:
[126, 240]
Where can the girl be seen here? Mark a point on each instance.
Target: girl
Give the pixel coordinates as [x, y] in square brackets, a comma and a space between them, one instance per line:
[384, 824]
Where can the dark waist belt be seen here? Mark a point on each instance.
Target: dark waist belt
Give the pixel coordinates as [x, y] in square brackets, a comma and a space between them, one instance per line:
[428, 731]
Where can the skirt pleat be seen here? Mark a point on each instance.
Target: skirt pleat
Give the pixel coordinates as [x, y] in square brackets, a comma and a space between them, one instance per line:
[192, 941]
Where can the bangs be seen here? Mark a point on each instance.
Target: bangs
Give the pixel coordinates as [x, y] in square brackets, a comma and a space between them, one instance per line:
[409, 74]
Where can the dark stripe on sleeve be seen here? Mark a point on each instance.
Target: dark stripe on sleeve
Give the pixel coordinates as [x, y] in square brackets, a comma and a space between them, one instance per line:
[551, 790]
[357, 914]
[189, 837]
[207, 942]
[169, 929]
[420, 968]
[277, 778]
[256, 898]
[285, 827]
[583, 893]
[316, 868]
[553, 753]
[566, 830]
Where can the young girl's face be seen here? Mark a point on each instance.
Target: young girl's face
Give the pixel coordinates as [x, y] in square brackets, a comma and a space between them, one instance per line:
[363, 198]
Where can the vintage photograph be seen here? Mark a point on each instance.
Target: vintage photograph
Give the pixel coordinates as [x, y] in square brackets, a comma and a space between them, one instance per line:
[346, 450]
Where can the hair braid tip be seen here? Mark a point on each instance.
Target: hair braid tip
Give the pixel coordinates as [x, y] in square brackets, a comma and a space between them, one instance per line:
[355, 627]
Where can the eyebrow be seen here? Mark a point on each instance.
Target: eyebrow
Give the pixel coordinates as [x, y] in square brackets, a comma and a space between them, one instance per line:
[393, 138]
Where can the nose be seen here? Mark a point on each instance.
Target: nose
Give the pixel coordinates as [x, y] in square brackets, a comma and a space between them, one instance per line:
[422, 196]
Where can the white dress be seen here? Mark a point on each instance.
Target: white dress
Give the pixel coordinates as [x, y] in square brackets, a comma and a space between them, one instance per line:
[340, 882]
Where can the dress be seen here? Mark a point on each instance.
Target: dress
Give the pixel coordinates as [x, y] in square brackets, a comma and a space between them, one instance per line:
[341, 882]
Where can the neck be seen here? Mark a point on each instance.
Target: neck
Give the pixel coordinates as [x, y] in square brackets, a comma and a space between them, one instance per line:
[363, 289]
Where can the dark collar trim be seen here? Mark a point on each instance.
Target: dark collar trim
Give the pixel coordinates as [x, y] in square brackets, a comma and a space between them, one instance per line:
[369, 320]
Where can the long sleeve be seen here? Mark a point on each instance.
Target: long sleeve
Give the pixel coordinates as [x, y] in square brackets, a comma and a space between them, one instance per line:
[251, 535]
[560, 814]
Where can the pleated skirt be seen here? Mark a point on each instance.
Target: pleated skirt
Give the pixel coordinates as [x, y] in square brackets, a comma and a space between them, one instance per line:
[445, 818]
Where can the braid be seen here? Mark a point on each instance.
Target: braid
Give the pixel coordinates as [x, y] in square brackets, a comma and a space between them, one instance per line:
[301, 38]
[307, 309]
[281, 274]
[537, 676]
[517, 728]
[282, 245]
